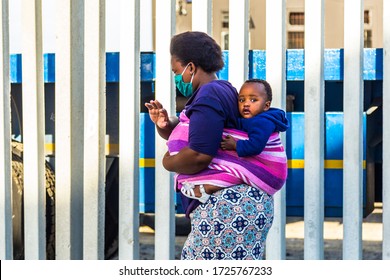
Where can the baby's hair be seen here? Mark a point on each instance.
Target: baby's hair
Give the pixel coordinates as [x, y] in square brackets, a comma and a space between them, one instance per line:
[268, 89]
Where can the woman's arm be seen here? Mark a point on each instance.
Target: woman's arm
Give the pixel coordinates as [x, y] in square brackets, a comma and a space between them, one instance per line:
[166, 130]
[187, 161]
[159, 117]
[204, 135]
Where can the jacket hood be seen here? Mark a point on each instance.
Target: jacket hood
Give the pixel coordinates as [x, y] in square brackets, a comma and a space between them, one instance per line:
[278, 117]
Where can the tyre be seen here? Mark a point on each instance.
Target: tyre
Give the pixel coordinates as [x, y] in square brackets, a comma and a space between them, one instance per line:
[18, 205]
[111, 216]
[111, 211]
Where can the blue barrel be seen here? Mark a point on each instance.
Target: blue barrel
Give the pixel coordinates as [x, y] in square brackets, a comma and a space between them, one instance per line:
[147, 170]
[333, 185]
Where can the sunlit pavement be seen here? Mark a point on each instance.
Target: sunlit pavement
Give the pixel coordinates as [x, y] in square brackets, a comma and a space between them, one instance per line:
[333, 235]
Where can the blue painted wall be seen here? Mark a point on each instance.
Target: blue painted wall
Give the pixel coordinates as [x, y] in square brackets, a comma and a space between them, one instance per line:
[333, 74]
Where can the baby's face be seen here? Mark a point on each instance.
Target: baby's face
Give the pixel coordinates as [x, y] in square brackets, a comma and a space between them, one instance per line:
[252, 100]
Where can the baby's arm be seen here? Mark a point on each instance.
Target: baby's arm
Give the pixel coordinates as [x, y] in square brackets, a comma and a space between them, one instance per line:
[259, 130]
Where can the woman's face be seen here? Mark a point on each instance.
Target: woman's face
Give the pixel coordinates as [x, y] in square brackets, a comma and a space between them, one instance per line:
[184, 76]
[178, 68]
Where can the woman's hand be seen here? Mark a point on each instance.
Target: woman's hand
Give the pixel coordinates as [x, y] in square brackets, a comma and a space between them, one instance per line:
[228, 143]
[158, 114]
[159, 117]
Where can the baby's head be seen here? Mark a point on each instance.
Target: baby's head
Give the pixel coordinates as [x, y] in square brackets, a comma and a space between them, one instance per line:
[255, 97]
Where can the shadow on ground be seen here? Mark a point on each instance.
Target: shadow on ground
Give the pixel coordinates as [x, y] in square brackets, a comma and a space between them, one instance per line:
[333, 248]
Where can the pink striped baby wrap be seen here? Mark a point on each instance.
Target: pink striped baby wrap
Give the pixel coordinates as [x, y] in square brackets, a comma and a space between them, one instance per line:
[266, 171]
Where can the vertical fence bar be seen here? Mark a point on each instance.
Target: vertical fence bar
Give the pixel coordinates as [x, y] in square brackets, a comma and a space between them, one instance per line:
[146, 23]
[33, 131]
[129, 110]
[353, 132]
[386, 131]
[238, 41]
[276, 60]
[201, 16]
[314, 130]
[165, 214]
[94, 129]
[69, 121]
[6, 251]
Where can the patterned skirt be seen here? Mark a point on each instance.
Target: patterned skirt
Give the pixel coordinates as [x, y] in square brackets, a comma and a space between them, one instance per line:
[232, 225]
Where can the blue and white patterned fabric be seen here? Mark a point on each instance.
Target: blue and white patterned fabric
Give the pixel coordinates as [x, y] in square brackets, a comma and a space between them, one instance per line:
[232, 225]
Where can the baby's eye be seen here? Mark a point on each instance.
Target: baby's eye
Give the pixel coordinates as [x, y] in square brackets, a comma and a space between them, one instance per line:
[253, 100]
[240, 100]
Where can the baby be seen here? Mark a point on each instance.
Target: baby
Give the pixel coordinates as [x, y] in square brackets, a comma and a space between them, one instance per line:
[258, 120]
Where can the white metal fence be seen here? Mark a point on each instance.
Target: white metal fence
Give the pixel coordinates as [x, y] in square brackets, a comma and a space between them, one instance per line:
[80, 124]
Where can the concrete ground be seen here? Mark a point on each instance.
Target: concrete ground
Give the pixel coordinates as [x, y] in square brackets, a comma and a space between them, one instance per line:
[333, 235]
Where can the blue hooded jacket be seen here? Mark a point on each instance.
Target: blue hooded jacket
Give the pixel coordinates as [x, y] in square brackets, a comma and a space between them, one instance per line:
[259, 129]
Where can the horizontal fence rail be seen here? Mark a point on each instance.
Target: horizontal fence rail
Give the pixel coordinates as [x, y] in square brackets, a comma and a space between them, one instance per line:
[295, 66]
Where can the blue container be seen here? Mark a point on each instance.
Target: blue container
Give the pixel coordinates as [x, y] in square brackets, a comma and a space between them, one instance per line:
[147, 154]
[333, 75]
[333, 185]
[147, 171]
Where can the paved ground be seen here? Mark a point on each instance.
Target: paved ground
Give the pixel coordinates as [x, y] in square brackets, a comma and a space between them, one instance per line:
[333, 234]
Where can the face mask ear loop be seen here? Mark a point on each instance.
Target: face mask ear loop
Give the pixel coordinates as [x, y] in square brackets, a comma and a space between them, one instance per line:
[192, 77]
[185, 68]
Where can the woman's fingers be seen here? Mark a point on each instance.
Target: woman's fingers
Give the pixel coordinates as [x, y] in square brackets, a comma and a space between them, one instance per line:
[149, 106]
[157, 104]
[153, 104]
[157, 113]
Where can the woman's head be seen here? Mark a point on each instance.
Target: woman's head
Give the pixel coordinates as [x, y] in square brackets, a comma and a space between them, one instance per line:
[198, 48]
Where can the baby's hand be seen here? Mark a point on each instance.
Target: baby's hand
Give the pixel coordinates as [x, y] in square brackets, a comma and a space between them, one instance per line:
[228, 143]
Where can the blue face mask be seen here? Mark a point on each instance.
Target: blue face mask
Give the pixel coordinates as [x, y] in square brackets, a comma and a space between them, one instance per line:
[184, 88]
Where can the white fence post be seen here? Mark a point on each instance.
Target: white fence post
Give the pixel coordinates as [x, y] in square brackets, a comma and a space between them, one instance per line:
[314, 130]
[33, 131]
[80, 183]
[94, 129]
[276, 60]
[165, 93]
[202, 16]
[238, 41]
[353, 129]
[129, 110]
[6, 251]
[69, 122]
[386, 131]
[146, 23]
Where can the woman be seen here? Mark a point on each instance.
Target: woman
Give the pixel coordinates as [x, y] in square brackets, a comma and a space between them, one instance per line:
[234, 222]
